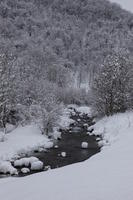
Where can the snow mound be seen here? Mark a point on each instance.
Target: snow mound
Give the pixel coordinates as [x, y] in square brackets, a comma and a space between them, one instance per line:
[112, 128]
[84, 110]
[85, 125]
[25, 170]
[6, 167]
[84, 145]
[48, 145]
[2, 137]
[63, 154]
[25, 161]
[38, 165]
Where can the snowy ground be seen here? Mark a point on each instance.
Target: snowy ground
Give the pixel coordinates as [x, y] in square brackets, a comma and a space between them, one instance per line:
[29, 138]
[22, 140]
[106, 176]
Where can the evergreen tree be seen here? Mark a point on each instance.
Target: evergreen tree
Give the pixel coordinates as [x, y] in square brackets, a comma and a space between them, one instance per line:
[112, 85]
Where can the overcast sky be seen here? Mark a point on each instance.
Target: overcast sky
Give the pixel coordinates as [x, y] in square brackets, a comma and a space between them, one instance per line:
[127, 4]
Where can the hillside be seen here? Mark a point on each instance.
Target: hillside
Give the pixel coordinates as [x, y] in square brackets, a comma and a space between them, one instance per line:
[73, 36]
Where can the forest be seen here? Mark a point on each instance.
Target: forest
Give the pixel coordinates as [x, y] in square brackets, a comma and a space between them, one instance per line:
[59, 52]
[66, 100]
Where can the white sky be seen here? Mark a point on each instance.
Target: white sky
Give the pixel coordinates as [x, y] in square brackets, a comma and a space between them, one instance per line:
[126, 4]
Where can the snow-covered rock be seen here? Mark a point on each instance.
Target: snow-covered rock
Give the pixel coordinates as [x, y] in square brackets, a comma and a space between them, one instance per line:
[25, 170]
[84, 145]
[86, 125]
[41, 149]
[48, 145]
[63, 154]
[25, 161]
[6, 167]
[38, 165]
[47, 167]
[84, 110]
[56, 146]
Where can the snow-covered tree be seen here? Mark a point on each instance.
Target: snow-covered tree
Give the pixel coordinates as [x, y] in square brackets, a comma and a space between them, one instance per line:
[112, 85]
[7, 78]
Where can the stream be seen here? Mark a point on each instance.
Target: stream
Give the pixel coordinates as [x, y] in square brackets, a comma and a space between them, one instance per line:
[68, 150]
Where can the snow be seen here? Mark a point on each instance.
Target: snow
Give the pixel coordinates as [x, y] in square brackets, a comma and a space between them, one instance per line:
[65, 118]
[113, 128]
[84, 110]
[2, 137]
[63, 154]
[25, 170]
[55, 134]
[38, 165]
[126, 4]
[23, 140]
[84, 145]
[25, 161]
[6, 167]
[106, 176]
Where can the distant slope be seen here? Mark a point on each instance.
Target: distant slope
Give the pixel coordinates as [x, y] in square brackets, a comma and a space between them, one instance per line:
[76, 34]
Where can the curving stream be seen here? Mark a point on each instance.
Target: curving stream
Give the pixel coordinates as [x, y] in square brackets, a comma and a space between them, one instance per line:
[68, 149]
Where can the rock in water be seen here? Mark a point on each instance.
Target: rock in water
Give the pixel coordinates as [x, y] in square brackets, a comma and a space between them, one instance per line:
[38, 165]
[84, 145]
[25, 170]
[63, 154]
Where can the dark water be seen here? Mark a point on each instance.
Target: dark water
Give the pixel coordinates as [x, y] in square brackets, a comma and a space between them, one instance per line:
[70, 143]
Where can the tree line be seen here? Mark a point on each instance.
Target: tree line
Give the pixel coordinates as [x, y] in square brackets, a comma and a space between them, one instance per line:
[50, 48]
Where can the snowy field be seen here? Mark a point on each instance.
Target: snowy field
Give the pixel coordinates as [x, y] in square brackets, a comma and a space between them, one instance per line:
[106, 176]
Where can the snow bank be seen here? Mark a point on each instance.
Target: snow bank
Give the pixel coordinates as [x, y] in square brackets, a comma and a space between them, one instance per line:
[25, 161]
[38, 165]
[113, 128]
[6, 167]
[23, 140]
[84, 110]
[105, 176]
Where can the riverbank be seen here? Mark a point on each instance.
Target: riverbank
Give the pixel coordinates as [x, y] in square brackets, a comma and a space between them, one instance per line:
[107, 175]
[24, 140]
